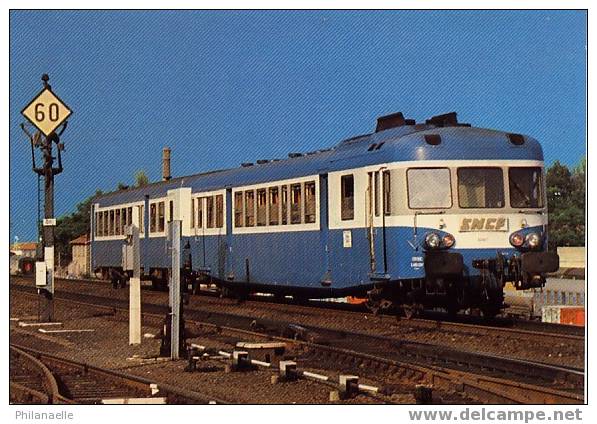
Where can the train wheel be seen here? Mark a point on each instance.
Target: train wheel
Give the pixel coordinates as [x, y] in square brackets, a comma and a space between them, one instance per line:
[226, 292]
[490, 311]
[494, 295]
[410, 311]
[452, 310]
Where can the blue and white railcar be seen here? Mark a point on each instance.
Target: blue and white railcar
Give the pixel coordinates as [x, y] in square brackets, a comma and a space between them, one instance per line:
[436, 214]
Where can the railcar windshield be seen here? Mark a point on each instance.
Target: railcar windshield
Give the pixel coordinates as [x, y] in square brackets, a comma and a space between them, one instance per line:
[526, 187]
[480, 188]
[429, 188]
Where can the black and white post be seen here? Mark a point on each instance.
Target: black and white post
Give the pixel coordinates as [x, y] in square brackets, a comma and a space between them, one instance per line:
[48, 114]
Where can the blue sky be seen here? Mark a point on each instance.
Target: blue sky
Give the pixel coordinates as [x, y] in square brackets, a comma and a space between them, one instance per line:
[221, 88]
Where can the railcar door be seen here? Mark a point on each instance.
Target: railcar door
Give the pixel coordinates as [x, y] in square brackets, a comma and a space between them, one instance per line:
[376, 209]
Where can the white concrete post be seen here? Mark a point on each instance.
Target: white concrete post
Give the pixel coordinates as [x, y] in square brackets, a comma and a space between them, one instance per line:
[174, 233]
[135, 281]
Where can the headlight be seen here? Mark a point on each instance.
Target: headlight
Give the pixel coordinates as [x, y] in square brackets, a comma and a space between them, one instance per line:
[448, 241]
[516, 239]
[432, 240]
[534, 240]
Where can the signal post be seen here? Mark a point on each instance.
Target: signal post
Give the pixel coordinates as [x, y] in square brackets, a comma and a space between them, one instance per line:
[47, 113]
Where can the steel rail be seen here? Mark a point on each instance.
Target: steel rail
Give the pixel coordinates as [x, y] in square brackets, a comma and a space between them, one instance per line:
[477, 385]
[130, 380]
[533, 329]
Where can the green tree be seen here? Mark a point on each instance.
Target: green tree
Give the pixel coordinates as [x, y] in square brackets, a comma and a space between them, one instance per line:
[141, 178]
[71, 226]
[566, 204]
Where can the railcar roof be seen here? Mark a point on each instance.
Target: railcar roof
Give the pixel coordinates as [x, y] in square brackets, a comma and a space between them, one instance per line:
[404, 143]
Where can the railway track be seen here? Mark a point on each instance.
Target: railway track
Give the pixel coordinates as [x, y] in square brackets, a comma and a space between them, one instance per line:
[489, 378]
[429, 320]
[43, 378]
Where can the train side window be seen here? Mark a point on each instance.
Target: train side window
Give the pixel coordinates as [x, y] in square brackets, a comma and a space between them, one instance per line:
[387, 193]
[249, 208]
[310, 202]
[347, 197]
[210, 212]
[106, 230]
[219, 210]
[284, 205]
[123, 219]
[193, 201]
[152, 217]
[200, 212]
[171, 211]
[99, 224]
[429, 188]
[161, 217]
[117, 226]
[261, 207]
[295, 203]
[238, 209]
[129, 216]
[141, 219]
[274, 206]
[111, 223]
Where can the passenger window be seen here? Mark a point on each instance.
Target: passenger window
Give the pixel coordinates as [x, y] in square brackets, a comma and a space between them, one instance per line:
[274, 206]
[310, 202]
[387, 193]
[238, 209]
[161, 217]
[117, 222]
[347, 197]
[210, 212]
[284, 205]
[123, 216]
[193, 201]
[99, 222]
[295, 204]
[152, 217]
[261, 207]
[429, 188]
[249, 208]
[171, 211]
[129, 216]
[111, 223]
[219, 211]
[141, 219]
[200, 212]
[480, 188]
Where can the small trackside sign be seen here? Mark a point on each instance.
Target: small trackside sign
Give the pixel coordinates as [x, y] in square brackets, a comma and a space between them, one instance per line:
[46, 111]
[49, 222]
[483, 224]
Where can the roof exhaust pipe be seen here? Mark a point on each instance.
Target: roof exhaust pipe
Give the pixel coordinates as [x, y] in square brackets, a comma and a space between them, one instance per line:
[166, 164]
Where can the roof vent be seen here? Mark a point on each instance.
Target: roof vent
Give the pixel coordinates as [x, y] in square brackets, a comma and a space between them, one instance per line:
[294, 155]
[433, 139]
[445, 120]
[246, 164]
[516, 139]
[262, 161]
[390, 121]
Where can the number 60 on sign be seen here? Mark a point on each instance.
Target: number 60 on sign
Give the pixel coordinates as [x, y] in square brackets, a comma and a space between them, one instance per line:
[46, 111]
